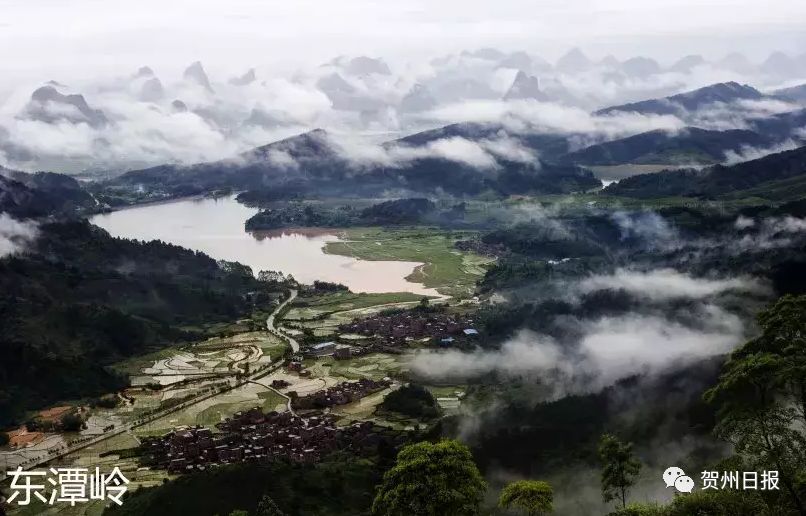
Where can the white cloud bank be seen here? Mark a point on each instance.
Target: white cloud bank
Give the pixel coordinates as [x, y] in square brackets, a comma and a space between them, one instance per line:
[666, 284]
[15, 234]
[610, 348]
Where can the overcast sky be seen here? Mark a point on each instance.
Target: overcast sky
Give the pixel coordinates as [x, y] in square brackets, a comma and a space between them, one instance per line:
[81, 36]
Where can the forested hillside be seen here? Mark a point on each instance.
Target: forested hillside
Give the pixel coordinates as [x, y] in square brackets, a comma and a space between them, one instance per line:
[41, 194]
[690, 145]
[716, 181]
[315, 165]
[78, 300]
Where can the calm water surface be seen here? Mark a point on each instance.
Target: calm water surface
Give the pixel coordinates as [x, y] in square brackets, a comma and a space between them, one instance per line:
[216, 227]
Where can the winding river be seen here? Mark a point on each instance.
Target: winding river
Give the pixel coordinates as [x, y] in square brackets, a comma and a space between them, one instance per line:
[216, 227]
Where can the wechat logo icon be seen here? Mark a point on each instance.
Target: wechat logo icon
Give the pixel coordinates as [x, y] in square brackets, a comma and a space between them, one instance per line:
[676, 477]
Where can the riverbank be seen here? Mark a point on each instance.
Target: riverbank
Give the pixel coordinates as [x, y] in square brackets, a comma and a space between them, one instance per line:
[449, 271]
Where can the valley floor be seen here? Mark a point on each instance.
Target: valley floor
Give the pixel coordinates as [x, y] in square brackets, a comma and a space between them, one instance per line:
[205, 382]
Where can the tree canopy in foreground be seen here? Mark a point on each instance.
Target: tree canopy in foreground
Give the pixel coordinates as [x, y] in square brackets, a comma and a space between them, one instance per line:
[431, 479]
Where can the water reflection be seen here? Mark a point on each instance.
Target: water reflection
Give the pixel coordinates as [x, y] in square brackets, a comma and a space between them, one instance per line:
[216, 227]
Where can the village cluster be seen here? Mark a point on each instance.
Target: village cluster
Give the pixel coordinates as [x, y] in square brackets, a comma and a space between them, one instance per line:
[261, 437]
[400, 327]
[255, 436]
[341, 394]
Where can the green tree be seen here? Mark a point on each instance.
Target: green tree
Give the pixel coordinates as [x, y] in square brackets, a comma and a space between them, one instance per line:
[761, 395]
[431, 479]
[239, 512]
[642, 509]
[71, 422]
[726, 502]
[412, 400]
[533, 497]
[619, 468]
[270, 277]
[267, 507]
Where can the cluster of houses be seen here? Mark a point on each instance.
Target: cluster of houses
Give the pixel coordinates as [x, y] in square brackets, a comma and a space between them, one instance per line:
[404, 326]
[296, 365]
[259, 437]
[340, 394]
[478, 247]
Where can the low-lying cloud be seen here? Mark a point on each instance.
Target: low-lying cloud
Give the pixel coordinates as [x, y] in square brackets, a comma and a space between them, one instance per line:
[603, 350]
[611, 349]
[15, 235]
[646, 226]
[767, 233]
[748, 152]
[481, 154]
[666, 284]
[531, 116]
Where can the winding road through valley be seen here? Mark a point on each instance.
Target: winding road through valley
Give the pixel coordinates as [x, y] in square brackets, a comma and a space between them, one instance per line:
[275, 331]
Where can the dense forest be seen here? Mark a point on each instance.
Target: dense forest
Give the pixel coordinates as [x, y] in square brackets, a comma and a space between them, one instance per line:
[42, 194]
[342, 485]
[386, 213]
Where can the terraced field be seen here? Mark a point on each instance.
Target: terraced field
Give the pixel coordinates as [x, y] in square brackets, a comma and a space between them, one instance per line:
[217, 356]
[375, 366]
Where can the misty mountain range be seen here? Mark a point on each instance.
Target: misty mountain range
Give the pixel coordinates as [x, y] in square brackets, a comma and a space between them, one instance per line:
[777, 177]
[317, 163]
[471, 158]
[144, 119]
[528, 137]
[684, 103]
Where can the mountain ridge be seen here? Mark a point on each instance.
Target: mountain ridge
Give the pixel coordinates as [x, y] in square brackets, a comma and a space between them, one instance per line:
[688, 101]
[314, 162]
[715, 181]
